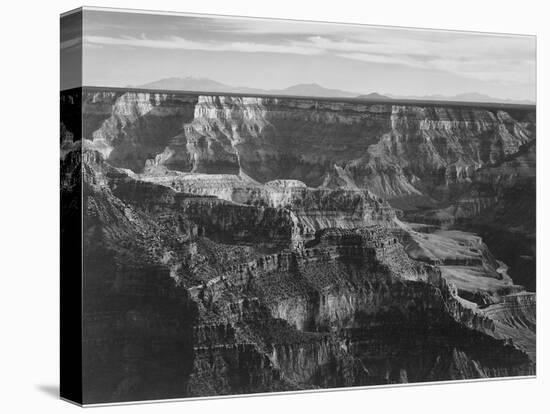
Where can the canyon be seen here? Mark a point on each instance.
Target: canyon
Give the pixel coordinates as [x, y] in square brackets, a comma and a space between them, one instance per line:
[245, 244]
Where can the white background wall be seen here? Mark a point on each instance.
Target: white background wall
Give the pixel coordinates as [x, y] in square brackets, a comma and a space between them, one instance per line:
[29, 144]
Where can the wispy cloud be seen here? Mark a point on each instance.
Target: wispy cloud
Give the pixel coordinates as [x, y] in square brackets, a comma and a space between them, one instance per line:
[180, 43]
[480, 57]
[460, 60]
[66, 44]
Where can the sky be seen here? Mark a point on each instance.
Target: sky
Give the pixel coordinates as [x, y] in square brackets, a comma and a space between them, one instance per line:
[71, 51]
[123, 49]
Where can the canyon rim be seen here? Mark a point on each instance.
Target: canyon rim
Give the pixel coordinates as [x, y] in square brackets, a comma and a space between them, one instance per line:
[221, 240]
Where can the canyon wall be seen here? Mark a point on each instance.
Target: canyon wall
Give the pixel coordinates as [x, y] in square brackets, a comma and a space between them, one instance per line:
[250, 244]
[393, 150]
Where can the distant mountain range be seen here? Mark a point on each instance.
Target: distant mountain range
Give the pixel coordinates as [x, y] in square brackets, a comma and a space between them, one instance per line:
[190, 83]
[204, 84]
[375, 96]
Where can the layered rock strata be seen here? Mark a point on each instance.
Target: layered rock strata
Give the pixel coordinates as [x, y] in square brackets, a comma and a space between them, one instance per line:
[239, 245]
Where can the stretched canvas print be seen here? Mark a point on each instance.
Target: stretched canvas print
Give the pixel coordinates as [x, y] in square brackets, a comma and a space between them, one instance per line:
[256, 206]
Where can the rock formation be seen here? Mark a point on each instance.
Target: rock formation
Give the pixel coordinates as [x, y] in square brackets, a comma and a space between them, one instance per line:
[252, 244]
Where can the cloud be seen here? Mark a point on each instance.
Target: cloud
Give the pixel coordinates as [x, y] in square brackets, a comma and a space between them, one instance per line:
[487, 57]
[180, 43]
[66, 44]
[498, 58]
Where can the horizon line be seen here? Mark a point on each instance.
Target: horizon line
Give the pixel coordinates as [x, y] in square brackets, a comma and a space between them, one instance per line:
[353, 99]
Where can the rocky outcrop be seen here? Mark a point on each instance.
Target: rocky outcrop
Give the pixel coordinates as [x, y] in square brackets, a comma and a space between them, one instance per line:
[275, 214]
[345, 315]
[136, 322]
[244, 244]
[394, 150]
[129, 128]
[515, 321]
[325, 314]
[500, 205]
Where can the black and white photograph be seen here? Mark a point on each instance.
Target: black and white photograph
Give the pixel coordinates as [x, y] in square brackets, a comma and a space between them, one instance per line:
[327, 205]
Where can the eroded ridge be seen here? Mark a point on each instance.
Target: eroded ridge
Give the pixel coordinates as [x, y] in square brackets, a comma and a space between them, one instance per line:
[238, 245]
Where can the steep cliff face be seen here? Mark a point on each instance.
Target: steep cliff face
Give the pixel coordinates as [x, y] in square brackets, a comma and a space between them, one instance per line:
[129, 128]
[394, 150]
[137, 323]
[309, 317]
[499, 203]
[496, 189]
[346, 310]
[311, 208]
[240, 245]
[515, 320]
[234, 210]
